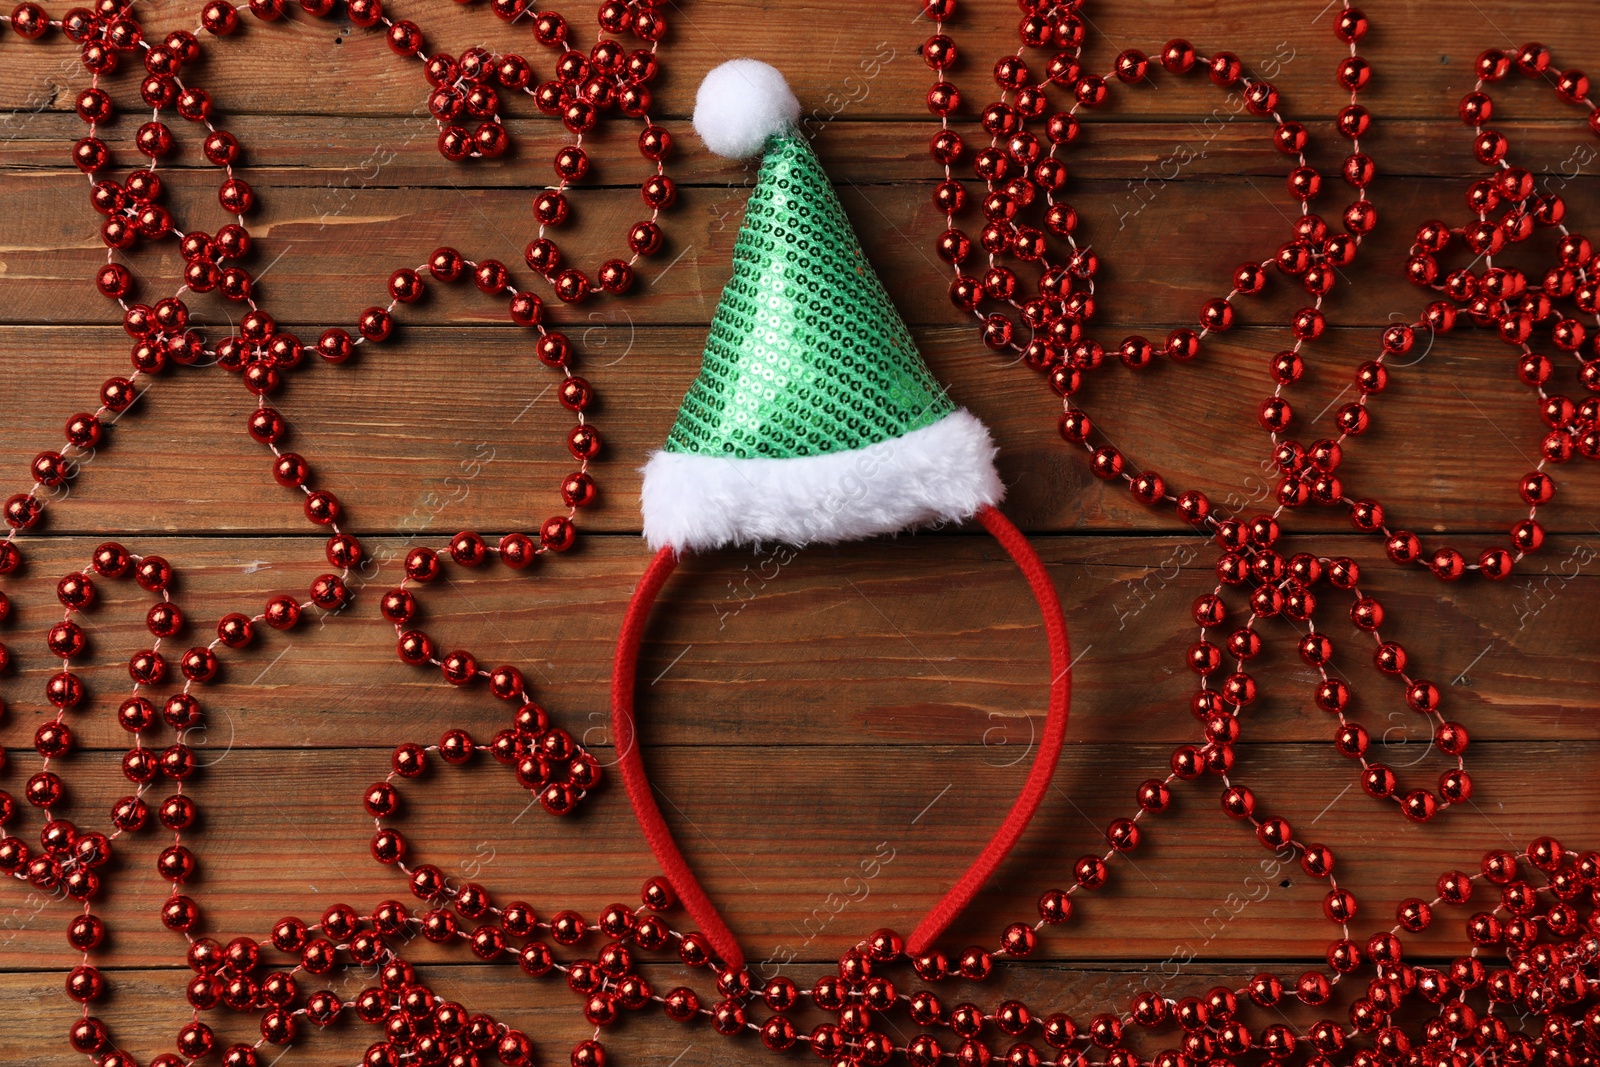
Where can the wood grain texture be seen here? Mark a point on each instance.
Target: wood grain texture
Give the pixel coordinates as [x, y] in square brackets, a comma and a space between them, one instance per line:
[545, 1009]
[272, 846]
[803, 712]
[877, 643]
[456, 427]
[339, 243]
[307, 66]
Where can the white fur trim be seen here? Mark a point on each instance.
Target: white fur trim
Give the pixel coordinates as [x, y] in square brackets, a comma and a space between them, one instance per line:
[944, 471]
[741, 105]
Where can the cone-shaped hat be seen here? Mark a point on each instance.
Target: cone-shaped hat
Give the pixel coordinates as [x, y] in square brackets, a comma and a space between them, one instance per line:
[813, 418]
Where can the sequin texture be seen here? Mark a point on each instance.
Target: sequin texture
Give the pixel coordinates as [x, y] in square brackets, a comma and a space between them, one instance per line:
[806, 353]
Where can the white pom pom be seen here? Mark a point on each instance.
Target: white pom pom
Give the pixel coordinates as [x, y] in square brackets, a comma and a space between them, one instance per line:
[741, 105]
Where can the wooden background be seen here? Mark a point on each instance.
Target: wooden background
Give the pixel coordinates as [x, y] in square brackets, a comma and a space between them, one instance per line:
[863, 700]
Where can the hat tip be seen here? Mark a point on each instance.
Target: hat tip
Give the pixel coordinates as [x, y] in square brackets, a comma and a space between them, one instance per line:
[741, 105]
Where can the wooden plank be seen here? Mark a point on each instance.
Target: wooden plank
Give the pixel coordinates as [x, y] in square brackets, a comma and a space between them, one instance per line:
[773, 830]
[145, 1018]
[327, 252]
[1422, 61]
[343, 152]
[1447, 444]
[906, 642]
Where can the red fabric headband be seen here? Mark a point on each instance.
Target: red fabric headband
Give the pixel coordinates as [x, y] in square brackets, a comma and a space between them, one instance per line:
[656, 832]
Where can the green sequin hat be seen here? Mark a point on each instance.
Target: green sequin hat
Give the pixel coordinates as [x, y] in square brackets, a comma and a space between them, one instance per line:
[814, 418]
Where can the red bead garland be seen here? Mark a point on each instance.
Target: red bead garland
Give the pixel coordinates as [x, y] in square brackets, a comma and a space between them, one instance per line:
[549, 763]
[1544, 918]
[1017, 171]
